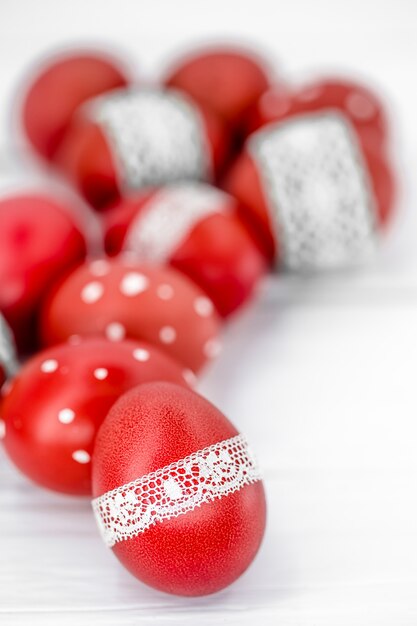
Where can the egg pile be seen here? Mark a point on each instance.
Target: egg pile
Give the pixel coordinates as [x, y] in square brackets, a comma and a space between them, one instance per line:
[197, 185]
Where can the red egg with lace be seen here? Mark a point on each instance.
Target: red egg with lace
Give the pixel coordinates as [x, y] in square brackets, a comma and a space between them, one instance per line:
[140, 137]
[196, 229]
[58, 87]
[316, 178]
[178, 492]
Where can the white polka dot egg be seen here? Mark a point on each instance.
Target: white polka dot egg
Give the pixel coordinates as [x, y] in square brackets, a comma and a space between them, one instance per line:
[69, 389]
[121, 298]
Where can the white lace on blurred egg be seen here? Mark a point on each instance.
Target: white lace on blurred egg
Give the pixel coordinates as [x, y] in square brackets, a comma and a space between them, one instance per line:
[168, 218]
[318, 191]
[156, 136]
[8, 359]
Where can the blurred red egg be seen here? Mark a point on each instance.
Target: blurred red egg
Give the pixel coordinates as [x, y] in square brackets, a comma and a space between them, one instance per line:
[59, 86]
[316, 177]
[40, 240]
[140, 137]
[227, 80]
[123, 298]
[195, 228]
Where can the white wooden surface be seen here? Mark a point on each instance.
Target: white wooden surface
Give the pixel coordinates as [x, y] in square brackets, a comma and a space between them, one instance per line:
[320, 374]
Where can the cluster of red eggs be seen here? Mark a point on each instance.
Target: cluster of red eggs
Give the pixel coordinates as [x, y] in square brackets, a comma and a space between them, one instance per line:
[201, 183]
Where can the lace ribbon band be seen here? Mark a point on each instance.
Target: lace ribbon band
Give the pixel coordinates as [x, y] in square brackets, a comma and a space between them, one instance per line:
[211, 473]
[318, 191]
[156, 137]
[168, 218]
[7, 352]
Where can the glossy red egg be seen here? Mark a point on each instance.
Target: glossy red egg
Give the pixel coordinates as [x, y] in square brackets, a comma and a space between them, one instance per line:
[58, 88]
[227, 80]
[55, 405]
[40, 240]
[123, 298]
[197, 229]
[358, 102]
[178, 492]
[316, 178]
[140, 137]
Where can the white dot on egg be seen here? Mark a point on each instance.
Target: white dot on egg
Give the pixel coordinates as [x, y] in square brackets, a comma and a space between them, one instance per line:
[203, 306]
[167, 334]
[140, 354]
[81, 456]
[92, 292]
[100, 267]
[74, 340]
[360, 106]
[133, 284]
[66, 416]
[48, 366]
[101, 373]
[189, 377]
[165, 292]
[2, 429]
[212, 348]
[115, 331]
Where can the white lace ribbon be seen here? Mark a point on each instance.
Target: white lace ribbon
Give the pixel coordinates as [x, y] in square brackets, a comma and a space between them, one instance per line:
[211, 473]
[318, 191]
[157, 137]
[7, 350]
[166, 220]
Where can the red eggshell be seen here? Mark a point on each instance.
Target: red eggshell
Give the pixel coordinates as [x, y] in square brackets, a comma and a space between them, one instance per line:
[357, 102]
[122, 298]
[226, 80]
[39, 241]
[59, 399]
[57, 91]
[218, 253]
[117, 219]
[245, 180]
[203, 550]
[87, 159]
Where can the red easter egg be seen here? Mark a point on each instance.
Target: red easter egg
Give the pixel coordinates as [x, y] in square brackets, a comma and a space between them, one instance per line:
[58, 88]
[39, 241]
[135, 138]
[178, 494]
[8, 361]
[195, 228]
[316, 180]
[57, 402]
[122, 298]
[227, 80]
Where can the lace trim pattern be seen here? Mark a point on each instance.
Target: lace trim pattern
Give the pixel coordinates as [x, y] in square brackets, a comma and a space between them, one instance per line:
[176, 489]
[157, 137]
[317, 188]
[169, 216]
[7, 352]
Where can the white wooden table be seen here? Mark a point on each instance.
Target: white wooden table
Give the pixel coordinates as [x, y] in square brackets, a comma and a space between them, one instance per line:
[321, 375]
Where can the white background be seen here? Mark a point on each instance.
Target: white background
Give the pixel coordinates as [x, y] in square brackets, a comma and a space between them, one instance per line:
[321, 375]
